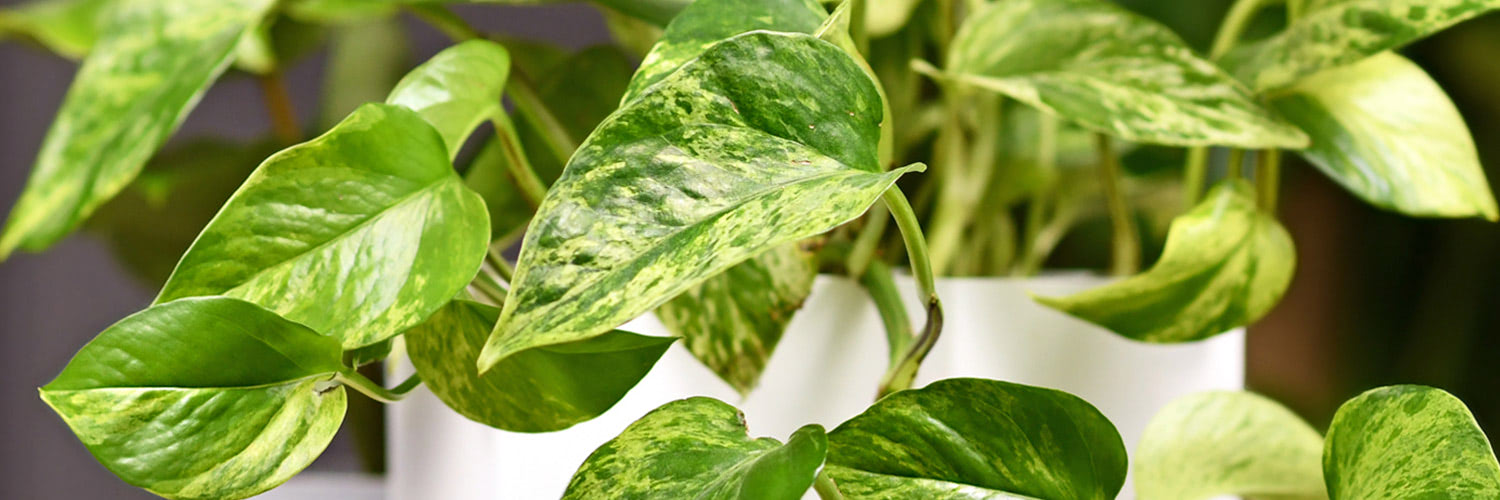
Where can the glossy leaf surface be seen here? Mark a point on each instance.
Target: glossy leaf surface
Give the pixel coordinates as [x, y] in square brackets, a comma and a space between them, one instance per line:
[1408, 442]
[67, 27]
[153, 60]
[698, 448]
[539, 390]
[763, 140]
[202, 398]
[1212, 444]
[1386, 132]
[358, 234]
[456, 90]
[974, 438]
[1334, 33]
[1226, 264]
[1094, 63]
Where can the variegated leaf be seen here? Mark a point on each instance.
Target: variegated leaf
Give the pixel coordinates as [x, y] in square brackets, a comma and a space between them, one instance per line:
[359, 234]
[540, 390]
[456, 90]
[978, 439]
[764, 139]
[1212, 444]
[1333, 33]
[1097, 64]
[658, 12]
[1386, 132]
[67, 27]
[153, 60]
[203, 398]
[1408, 442]
[1226, 264]
[733, 321]
[698, 448]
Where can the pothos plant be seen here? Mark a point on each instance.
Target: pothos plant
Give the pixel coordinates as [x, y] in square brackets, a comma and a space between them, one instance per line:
[758, 143]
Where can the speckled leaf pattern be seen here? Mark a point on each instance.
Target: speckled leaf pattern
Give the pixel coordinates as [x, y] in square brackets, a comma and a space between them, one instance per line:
[698, 448]
[732, 321]
[1113, 71]
[202, 398]
[540, 390]
[1386, 132]
[1225, 265]
[358, 234]
[978, 439]
[1212, 444]
[153, 60]
[456, 90]
[1333, 33]
[1404, 442]
[765, 139]
[67, 27]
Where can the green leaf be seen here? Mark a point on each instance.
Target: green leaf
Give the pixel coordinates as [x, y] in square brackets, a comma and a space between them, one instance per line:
[1408, 441]
[884, 17]
[1333, 33]
[1386, 132]
[154, 59]
[1225, 265]
[202, 398]
[765, 139]
[733, 321]
[67, 27]
[358, 234]
[1113, 71]
[975, 438]
[456, 90]
[1212, 444]
[698, 448]
[540, 390]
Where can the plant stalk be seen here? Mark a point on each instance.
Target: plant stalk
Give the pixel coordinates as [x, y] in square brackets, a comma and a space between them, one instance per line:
[857, 30]
[354, 380]
[862, 253]
[1194, 173]
[1235, 22]
[517, 164]
[279, 105]
[825, 486]
[1236, 167]
[1127, 241]
[1268, 180]
[499, 264]
[529, 104]
[903, 372]
[877, 280]
[446, 21]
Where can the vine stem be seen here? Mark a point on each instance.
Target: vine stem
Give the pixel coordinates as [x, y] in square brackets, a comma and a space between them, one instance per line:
[863, 251]
[517, 164]
[501, 266]
[446, 21]
[857, 30]
[878, 281]
[279, 105]
[354, 380]
[903, 372]
[1235, 22]
[1127, 241]
[1268, 180]
[825, 486]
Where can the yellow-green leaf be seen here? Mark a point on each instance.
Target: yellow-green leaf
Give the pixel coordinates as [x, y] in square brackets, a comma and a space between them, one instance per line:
[1408, 442]
[67, 27]
[456, 90]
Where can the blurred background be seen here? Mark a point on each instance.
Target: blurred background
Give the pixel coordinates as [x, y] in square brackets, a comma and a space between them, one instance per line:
[1378, 299]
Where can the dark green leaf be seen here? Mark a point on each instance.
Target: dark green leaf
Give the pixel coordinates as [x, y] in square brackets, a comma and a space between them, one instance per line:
[359, 234]
[974, 438]
[698, 448]
[1095, 63]
[456, 90]
[1385, 131]
[153, 61]
[540, 390]
[67, 27]
[1408, 442]
[203, 398]
[1226, 264]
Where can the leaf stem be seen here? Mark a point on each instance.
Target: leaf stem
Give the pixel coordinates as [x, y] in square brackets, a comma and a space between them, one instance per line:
[279, 106]
[517, 164]
[1193, 176]
[825, 486]
[857, 30]
[877, 280]
[903, 372]
[1268, 179]
[444, 20]
[529, 104]
[1235, 22]
[487, 284]
[1236, 167]
[1127, 242]
[375, 391]
[863, 250]
[500, 265]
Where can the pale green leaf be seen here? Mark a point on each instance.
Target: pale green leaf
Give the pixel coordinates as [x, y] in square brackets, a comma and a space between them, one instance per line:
[67, 27]
[1226, 264]
[456, 90]
[883, 17]
[1407, 441]
[365, 61]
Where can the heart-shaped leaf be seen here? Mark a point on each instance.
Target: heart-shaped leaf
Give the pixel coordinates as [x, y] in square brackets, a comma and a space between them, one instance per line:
[539, 390]
[456, 90]
[1228, 443]
[1095, 63]
[1408, 442]
[698, 448]
[1385, 131]
[67, 27]
[203, 398]
[358, 234]
[1226, 264]
[1333, 33]
[764, 139]
[153, 60]
[974, 438]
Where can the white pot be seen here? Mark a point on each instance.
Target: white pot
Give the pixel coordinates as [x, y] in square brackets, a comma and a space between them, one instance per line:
[825, 371]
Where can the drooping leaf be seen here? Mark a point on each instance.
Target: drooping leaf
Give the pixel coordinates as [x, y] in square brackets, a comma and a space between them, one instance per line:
[698, 448]
[974, 438]
[358, 234]
[1094, 63]
[456, 90]
[365, 61]
[1333, 33]
[202, 398]
[540, 390]
[67, 27]
[1386, 132]
[765, 139]
[1408, 442]
[732, 321]
[1226, 264]
[153, 60]
[1212, 444]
